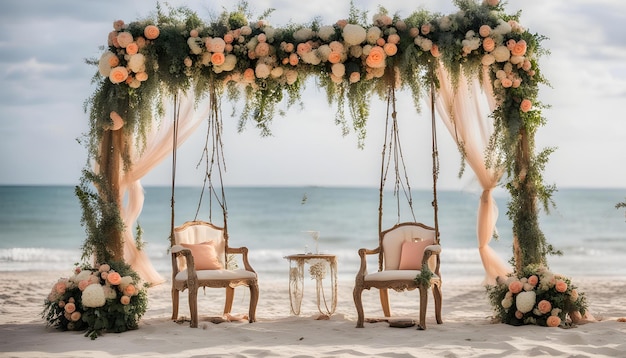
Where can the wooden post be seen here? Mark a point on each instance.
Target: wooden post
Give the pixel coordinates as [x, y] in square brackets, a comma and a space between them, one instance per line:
[110, 166]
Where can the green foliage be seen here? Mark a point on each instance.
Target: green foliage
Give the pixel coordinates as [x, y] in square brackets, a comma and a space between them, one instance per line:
[423, 279]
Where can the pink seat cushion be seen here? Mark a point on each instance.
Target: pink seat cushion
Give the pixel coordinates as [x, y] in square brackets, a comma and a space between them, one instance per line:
[412, 254]
[204, 256]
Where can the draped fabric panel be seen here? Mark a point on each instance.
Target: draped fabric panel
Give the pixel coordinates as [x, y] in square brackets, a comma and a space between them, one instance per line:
[468, 121]
[159, 145]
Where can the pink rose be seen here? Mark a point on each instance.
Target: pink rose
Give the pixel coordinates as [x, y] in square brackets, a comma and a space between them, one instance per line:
[125, 300]
[70, 307]
[75, 316]
[544, 306]
[376, 57]
[506, 82]
[114, 278]
[515, 287]
[293, 59]
[193, 33]
[533, 280]
[303, 48]
[60, 287]
[118, 74]
[519, 49]
[525, 106]
[560, 286]
[83, 284]
[510, 44]
[484, 30]
[342, 23]
[355, 77]
[390, 49]
[489, 44]
[151, 32]
[248, 75]
[118, 25]
[519, 315]
[262, 38]
[218, 59]
[228, 38]
[553, 321]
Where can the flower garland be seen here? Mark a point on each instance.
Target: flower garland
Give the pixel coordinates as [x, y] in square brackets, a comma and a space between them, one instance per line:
[536, 296]
[108, 298]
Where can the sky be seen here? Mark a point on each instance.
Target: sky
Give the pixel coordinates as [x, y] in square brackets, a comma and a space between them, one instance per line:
[44, 82]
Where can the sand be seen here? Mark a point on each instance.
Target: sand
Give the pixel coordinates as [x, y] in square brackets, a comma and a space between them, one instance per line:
[467, 330]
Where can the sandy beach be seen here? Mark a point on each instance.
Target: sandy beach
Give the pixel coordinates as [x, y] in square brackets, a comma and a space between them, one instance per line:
[467, 330]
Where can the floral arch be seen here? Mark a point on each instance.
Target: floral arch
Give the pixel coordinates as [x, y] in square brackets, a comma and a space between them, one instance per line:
[478, 51]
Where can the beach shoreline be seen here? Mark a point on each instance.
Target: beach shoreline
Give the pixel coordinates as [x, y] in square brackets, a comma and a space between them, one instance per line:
[467, 330]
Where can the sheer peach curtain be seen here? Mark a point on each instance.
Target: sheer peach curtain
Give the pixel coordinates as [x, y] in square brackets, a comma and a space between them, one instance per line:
[463, 111]
[159, 145]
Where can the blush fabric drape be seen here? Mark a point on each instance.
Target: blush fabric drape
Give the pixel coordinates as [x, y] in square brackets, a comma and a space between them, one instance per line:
[159, 145]
[465, 110]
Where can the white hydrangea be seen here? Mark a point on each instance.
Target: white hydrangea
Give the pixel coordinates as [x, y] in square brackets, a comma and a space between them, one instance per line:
[323, 52]
[311, 58]
[445, 23]
[525, 301]
[502, 28]
[488, 59]
[354, 34]
[373, 34]
[269, 32]
[325, 32]
[501, 54]
[93, 296]
[137, 63]
[303, 34]
[277, 72]
[103, 65]
[81, 276]
[356, 51]
[262, 70]
[424, 43]
[338, 69]
[194, 45]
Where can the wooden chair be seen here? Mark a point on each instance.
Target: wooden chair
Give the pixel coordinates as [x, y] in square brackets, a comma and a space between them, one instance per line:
[390, 274]
[210, 245]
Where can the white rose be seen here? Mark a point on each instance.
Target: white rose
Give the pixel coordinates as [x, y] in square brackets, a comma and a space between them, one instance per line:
[501, 53]
[137, 63]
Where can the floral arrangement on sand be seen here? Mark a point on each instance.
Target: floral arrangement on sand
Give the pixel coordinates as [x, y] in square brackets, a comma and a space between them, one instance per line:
[107, 298]
[536, 296]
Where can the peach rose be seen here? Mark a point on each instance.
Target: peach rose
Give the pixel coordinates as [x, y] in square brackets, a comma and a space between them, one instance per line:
[394, 39]
[114, 61]
[114, 278]
[376, 57]
[60, 287]
[533, 280]
[131, 290]
[434, 50]
[334, 57]
[61, 304]
[262, 49]
[390, 49]
[525, 106]
[414, 31]
[303, 48]
[355, 77]
[141, 76]
[519, 49]
[151, 32]
[112, 39]
[140, 41]
[492, 2]
[118, 25]
[83, 284]
[104, 275]
[70, 307]
[124, 300]
[506, 82]
[425, 29]
[489, 44]
[381, 41]
[193, 33]
[124, 38]
[484, 30]
[229, 38]
[519, 315]
[544, 306]
[526, 65]
[75, 316]
[553, 321]
[342, 23]
[132, 48]
[118, 74]
[560, 286]
[293, 59]
[515, 287]
[510, 44]
[248, 75]
[218, 59]
[104, 267]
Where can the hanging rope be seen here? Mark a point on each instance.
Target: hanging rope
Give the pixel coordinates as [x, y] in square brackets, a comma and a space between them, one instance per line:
[435, 153]
[176, 114]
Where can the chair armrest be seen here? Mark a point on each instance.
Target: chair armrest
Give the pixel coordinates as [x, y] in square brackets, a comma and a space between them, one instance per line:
[177, 251]
[362, 253]
[243, 251]
[429, 251]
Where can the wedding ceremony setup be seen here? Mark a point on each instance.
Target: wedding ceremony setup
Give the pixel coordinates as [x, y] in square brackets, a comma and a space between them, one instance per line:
[476, 73]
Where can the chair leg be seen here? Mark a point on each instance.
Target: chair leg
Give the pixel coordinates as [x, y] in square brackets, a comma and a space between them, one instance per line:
[423, 307]
[175, 294]
[438, 298]
[254, 298]
[193, 306]
[230, 295]
[384, 301]
[358, 303]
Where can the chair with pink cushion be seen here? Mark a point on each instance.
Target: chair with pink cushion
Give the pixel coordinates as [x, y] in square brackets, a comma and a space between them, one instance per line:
[402, 252]
[201, 257]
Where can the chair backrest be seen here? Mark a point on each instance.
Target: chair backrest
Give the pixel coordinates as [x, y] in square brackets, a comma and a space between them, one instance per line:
[195, 232]
[392, 239]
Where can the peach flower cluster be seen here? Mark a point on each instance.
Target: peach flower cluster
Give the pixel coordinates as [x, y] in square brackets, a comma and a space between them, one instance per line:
[127, 63]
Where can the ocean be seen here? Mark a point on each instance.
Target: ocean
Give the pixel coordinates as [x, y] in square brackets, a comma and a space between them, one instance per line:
[40, 226]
